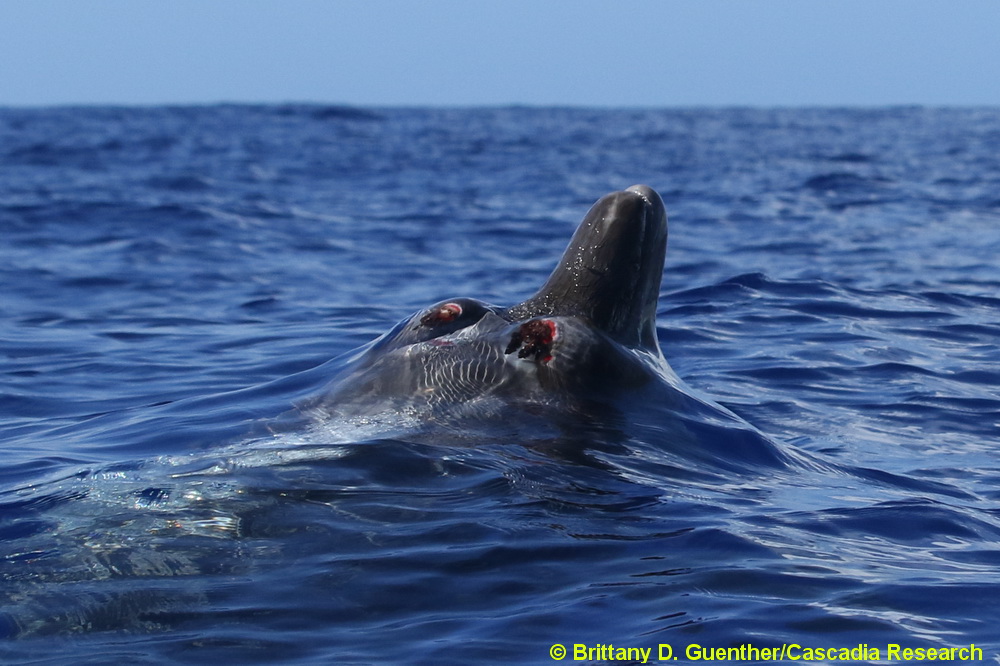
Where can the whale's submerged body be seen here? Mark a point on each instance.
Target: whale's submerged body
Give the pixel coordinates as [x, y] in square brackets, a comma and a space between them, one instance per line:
[573, 370]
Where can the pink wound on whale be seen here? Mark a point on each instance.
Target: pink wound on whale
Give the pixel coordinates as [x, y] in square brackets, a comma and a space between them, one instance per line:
[446, 313]
[534, 338]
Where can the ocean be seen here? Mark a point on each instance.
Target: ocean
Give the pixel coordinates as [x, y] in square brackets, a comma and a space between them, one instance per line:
[178, 281]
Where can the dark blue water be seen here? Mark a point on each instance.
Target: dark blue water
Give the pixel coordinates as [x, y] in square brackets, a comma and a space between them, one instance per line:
[176, 280]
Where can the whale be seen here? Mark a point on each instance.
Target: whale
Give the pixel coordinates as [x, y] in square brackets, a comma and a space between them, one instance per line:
[587, 335]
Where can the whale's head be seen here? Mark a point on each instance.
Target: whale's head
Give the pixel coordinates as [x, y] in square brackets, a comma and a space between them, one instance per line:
[589, 329]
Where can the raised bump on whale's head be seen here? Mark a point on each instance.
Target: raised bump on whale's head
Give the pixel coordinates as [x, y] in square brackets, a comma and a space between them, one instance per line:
[610, 274]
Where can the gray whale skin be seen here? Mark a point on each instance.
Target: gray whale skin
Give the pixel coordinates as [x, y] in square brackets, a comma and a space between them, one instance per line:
[585, 337]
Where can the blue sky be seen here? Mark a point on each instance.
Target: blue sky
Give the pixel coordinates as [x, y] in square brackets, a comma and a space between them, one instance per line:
[473, 52]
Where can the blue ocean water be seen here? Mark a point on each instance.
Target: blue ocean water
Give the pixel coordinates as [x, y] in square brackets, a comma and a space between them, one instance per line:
[176, 280]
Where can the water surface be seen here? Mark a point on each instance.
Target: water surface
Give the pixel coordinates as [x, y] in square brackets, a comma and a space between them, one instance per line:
[176, 280]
